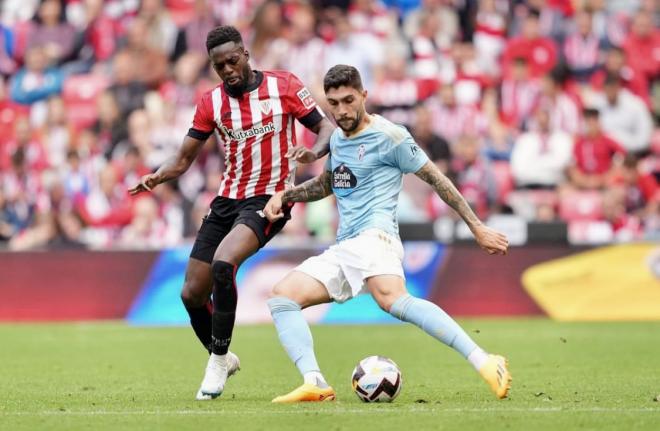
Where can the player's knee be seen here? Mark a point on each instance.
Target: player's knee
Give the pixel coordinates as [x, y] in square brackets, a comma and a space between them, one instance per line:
[192, 297]
[384, 302]
[282, 290]
[223, 274]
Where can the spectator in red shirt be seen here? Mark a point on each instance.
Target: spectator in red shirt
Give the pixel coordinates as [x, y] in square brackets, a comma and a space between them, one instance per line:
[593, 153]
[643, 46]
[10, 112]
[540, 52]
[633, 201]
[642, 193]
[101, 31]
[107, 207]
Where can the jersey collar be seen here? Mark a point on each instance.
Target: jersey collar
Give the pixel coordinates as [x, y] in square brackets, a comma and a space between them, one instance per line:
[257, 82]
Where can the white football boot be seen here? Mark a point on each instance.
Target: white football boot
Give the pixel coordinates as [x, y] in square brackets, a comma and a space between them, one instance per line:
[216, 376]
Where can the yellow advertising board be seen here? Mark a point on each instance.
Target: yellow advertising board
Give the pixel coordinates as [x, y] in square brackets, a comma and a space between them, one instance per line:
[619, 282]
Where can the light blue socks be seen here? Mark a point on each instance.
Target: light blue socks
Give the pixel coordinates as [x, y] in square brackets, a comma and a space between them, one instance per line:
[434, 321]
[294, 333]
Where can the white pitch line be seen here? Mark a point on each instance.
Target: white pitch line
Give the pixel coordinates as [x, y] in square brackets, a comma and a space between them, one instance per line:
[330, 411]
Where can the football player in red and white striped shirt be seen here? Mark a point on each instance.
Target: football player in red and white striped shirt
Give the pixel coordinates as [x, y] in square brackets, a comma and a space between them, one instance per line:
[254, 113]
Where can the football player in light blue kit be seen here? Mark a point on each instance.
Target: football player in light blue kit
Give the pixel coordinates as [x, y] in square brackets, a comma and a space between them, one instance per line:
[368, 157]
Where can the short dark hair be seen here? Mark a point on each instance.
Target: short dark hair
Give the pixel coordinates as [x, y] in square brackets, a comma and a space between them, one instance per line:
[520, 61]
[221, 35]
[533, 13]
[612, 79]
[342, 75]
[617, 49]
[559, 74]
[630, 161]
[590, 113]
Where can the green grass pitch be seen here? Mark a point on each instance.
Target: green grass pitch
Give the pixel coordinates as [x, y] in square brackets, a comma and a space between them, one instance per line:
[584, 376]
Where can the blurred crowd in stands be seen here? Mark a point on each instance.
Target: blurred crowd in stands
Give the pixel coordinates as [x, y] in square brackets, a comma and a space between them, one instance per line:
[543, 109]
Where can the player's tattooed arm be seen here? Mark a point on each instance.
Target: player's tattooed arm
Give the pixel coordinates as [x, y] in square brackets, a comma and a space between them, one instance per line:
[311, 190]
[490, 240]
[448, 192]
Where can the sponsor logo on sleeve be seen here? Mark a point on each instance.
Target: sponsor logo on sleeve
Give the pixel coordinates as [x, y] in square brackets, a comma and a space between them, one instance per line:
[306, 98]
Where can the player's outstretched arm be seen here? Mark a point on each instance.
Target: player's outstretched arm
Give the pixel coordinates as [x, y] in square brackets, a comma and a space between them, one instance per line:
[489, 239]
[311, 190]
[323, 130]
[174, 167]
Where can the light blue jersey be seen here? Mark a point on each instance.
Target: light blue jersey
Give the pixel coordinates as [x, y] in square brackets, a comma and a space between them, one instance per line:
[367, 171]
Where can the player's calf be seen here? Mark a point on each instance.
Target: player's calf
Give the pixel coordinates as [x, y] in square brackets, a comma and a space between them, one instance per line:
[438, 324]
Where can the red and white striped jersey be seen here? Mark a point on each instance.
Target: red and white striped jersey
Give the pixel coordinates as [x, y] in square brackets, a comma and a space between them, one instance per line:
[257, 129]
[582, 52]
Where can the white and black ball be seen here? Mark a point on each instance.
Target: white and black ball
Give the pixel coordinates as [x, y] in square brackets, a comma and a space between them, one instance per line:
[377, 379]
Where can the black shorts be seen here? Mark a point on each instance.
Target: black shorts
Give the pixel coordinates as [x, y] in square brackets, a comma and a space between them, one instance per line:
[226, 213]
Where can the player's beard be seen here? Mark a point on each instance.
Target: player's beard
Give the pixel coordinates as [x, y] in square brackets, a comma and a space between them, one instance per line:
[352, 125]
[242, 85]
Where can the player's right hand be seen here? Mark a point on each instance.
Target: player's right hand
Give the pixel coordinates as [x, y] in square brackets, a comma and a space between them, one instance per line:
[147, 183]
[492, 241]
[273, 209]
[301, 154]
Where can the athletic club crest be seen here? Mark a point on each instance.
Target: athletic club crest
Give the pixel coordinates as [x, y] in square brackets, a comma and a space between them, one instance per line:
[265, 107]
[361, 150]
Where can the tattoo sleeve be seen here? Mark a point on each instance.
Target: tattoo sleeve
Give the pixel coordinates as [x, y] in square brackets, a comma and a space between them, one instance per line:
[311, 190]
[448, 192]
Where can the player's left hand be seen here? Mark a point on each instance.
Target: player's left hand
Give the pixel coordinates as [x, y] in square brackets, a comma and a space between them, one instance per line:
[273, 209]
[301, 154]
[492, 241]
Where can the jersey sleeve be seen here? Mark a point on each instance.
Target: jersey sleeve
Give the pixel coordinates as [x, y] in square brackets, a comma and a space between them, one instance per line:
[298, 99]
[406, 155]
[203, 123]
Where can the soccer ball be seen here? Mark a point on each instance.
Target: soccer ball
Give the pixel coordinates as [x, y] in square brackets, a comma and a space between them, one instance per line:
[376, 379]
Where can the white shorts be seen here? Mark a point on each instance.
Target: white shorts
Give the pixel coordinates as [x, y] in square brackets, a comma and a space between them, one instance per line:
[344, 266]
